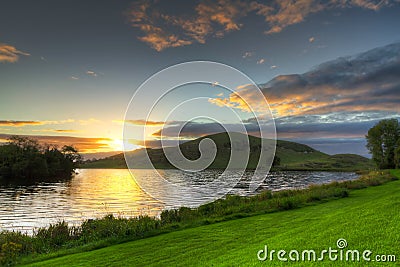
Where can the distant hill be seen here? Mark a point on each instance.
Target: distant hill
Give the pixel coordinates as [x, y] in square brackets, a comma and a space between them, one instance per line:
[292, 156]
[99, 155]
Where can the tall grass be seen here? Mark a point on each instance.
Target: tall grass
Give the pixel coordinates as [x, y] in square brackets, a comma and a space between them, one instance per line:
[60, 236]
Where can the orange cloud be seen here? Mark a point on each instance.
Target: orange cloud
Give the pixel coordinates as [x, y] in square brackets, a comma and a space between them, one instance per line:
[142, 122]
[160, 40]
[84, 145]
[19, 123]
[56, 130]
[370, 83]
[233, 101]
[10, 54]
[216, 18]
[212, 18]
[309, 101]
[367, 4]
[291, 12]
[25, 123]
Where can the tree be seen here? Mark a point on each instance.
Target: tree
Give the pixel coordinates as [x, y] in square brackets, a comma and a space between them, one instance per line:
[276, 162]
[382, 142]
[24, 160]
[397, 155]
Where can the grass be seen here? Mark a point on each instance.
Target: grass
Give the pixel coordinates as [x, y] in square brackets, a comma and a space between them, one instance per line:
[368, 218]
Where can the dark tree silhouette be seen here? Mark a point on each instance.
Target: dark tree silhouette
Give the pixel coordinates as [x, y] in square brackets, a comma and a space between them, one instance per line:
[24, 160]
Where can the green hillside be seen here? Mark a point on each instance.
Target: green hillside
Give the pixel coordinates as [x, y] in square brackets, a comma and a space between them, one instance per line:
[292, 156]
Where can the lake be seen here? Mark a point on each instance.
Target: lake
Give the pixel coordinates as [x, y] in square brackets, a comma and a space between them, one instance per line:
[93, 193]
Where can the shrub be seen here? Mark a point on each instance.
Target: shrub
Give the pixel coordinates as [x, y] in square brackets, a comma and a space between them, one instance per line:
[56, 235]
[9, 253]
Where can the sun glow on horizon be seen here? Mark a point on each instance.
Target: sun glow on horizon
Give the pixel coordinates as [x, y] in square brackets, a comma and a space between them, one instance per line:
[117, 144]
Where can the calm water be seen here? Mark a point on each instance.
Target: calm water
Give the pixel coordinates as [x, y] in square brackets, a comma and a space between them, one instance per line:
[95, 193]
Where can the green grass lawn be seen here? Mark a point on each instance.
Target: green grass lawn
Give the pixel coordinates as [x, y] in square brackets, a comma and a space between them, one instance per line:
[368, 219]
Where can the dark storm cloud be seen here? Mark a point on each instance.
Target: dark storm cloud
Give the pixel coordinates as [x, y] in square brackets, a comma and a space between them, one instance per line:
[369, 81]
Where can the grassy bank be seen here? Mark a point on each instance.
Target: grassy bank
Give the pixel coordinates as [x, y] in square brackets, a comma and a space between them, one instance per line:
[60, 239]
[367, 219]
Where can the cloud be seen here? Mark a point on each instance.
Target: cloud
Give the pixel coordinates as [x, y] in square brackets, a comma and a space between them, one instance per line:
[367, 4]
[84, 145]
[190, 130]
[91, 73]
[56, 130]
[334, 125]
[369, 81]
[247, 54]
[210, 19]
[233, 101]
[261, 61]
[19, 123]
[9, 53]
[143, 17]
[25, 123]
[142, 122]
[340, 99]
[159, 40]
[291, 12]
[341, 132]
[351, 124]
[214, 19]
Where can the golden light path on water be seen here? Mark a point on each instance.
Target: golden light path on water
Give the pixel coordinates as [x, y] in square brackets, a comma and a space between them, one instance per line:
[94, 193]
[90, 194]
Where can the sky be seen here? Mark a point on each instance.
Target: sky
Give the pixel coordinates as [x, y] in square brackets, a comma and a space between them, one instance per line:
[68, 69]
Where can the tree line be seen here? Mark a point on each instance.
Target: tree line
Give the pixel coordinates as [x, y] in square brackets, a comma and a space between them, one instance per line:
[383, 142]
[24, 160]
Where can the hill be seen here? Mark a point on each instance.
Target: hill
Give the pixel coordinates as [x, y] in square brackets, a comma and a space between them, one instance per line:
[292, 156]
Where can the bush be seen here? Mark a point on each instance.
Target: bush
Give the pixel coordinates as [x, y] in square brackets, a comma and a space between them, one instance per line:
[56, 235]
[9, 253]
